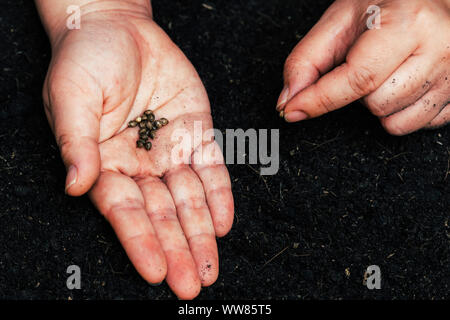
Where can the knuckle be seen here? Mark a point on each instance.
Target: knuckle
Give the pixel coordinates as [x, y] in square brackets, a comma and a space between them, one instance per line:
[336, 16]
[362, 81]
[118, 207]
[326, 103]
[421, 11]
[292, 63]
[69, 143]
[65, 144]
[393, 128]
[376, 107]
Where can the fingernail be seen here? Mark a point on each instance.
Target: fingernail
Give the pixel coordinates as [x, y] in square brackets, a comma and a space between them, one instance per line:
[295, 116]
[155, 284]
[281, 114]
[71, 177]
[283, 98]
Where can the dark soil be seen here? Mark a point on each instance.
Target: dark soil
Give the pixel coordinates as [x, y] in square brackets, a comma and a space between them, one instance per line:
[347, 195]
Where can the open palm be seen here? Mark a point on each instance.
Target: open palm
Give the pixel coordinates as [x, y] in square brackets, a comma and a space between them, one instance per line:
[165, 213]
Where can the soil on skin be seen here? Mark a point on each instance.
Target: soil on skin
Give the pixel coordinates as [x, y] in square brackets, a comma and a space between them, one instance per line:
[347, 195]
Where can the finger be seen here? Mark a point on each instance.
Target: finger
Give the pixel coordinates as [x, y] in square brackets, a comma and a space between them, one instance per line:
[325, 46]
[195, 218]
[74, 114]
[182, 276]
[418, 115]
[208, 164]
[442, 118]
[373, 58]
[120, 200]
[404, 87]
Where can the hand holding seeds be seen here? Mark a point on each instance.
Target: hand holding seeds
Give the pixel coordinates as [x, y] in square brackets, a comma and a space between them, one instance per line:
[102, 77]
[147, 128]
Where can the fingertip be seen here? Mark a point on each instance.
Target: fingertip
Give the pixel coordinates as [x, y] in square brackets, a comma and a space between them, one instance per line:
[82, 160]
[156, 273]
[224, 222]
[209, 274]
[189, 293]
[283, 98]
[295, 116]
[80, 179]
[148, 258]
[184, 282]
[71, 178]
[208, 271]
[221, 205]
[222, 229]
[204, 251]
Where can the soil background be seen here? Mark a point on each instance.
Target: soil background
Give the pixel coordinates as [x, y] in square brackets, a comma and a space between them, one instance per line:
[347, 194]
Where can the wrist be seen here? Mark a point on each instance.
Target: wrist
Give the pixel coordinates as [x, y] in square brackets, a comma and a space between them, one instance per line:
[56, 16]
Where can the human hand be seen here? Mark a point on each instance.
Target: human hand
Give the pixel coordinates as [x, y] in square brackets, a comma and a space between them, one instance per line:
[166, 215]
[400, 71]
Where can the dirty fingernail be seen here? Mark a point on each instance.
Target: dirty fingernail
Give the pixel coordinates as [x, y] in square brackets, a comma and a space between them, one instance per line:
[295, 116]
[71, 177]
[283, 98]
[155, 284]
[281, 114]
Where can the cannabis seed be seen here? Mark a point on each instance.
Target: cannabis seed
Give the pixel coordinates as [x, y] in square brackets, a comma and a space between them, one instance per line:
[164, 121]
[158, 124]
[132, 124]
[140, 143]
[148, 125]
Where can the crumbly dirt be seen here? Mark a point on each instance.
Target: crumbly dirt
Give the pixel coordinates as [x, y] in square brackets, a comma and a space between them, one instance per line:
[347, 194]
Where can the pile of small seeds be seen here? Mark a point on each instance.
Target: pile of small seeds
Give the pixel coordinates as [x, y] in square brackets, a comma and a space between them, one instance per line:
[147, 126]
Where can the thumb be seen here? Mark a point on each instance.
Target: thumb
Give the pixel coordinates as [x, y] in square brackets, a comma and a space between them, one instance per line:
[74, 113]
[324, 47]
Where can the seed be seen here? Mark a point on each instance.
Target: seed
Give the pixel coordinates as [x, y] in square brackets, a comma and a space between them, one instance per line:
[147, 125]
[151, 117]
[132, 124]
[158, 124]
[140, 143]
